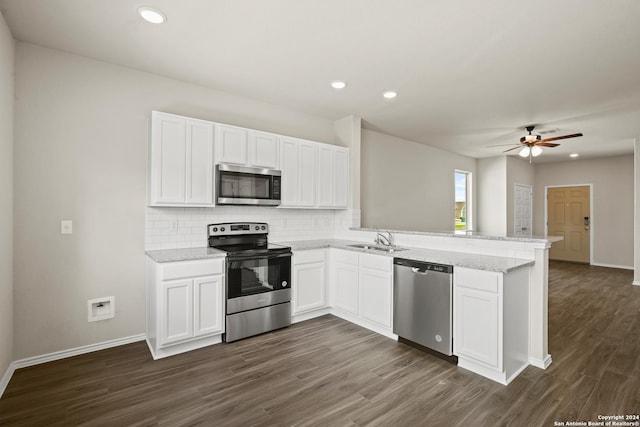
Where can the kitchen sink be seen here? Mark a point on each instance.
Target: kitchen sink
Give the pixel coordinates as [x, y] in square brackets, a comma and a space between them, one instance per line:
[381, 248]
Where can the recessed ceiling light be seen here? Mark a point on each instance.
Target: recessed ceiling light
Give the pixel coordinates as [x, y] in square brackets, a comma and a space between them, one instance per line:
[574, 155]
[338, 84]
[152, 15]
[390, 94]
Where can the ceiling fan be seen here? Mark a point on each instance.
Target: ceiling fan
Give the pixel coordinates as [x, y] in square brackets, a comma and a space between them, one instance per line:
[530, 144]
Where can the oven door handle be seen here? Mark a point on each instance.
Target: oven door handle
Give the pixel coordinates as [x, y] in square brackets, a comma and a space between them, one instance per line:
[250, 257]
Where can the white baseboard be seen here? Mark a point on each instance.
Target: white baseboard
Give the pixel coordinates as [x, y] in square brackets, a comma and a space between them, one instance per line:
[636, 282]
[623, 267]
[4, 382]
[50, 357]
[542, 364]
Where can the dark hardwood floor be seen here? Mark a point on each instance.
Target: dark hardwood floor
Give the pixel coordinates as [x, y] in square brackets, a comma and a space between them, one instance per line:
[329, 372]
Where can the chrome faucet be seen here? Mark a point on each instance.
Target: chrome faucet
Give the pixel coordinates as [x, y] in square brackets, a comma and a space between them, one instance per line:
[381, 239]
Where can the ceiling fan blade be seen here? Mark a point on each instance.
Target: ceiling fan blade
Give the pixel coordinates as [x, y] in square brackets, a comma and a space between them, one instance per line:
[546, 144]
[573, 135]
[498, 145]
[514, 148]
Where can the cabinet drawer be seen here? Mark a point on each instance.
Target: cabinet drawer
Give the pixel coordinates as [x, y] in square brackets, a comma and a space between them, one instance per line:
[345, 256]
[182, 269]
[309, 256]
[376, 262]
[487, 281]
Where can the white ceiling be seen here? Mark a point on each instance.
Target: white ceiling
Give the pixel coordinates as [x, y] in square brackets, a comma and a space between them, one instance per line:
[468, 73]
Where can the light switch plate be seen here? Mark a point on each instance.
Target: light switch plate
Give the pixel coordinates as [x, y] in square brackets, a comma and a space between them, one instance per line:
[66, 226]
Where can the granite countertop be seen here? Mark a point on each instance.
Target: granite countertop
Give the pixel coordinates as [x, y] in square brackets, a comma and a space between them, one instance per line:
[457, 259]
[469, 234]
[185, 254]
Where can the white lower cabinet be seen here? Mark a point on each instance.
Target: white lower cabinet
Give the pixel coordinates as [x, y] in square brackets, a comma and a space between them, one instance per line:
[491, 322]
[376, 293]
[309, 286]
[362, 289]
[185, 305]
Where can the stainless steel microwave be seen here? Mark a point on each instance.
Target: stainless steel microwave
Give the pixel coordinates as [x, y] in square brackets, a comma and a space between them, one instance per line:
[241, 185]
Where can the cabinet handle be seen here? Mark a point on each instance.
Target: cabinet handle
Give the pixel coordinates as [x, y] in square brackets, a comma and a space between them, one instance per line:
[417, 271]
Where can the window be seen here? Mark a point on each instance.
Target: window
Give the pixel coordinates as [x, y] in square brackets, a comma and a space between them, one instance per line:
[463, 201]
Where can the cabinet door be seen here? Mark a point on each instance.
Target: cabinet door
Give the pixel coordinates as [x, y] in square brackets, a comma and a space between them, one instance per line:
[208, 306]
[476, 327]
[308, 153]
[232, 145]
[289, 168]
[167, 159]
[376, 296]
[264, 150]
[308, 287]
[346, 287]
[340, 177]
[176, 311]
[325, 176]
[199, 164]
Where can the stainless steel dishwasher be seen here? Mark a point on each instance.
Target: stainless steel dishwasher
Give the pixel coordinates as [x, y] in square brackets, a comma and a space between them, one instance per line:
[422, 303]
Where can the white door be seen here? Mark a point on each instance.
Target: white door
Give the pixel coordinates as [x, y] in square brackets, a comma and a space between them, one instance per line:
[168, 159]
[341, 177]
[325, 176]
[208, 306]
[308, 287]
[232, 145]
[307, 173]
[345, 287]
[376, 290]
[177, 311]
[264, 150]
[476, 328]
[289, 169]
[522, 210]
[199, 162]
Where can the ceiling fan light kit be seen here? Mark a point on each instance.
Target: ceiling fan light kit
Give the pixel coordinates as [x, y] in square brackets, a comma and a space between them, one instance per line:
[530, 145]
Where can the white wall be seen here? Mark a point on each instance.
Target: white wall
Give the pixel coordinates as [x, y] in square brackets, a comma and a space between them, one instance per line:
[613, 202]
[80, 153]
[6, 196]
[408, 186]
[492, 196]
[519, 171]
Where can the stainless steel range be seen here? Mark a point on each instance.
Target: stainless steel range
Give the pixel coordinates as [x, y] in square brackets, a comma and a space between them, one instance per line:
[258, 279]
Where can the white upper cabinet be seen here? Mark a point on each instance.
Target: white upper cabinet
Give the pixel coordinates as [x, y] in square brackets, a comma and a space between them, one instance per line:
[246, 147]
[180, 161]
[263, 149]
[333, 176]
[232, 145]
[313, 174]
[298, 162]
[289, 168]
[341, 180]
[307, 173]
[183, 152]
[325, 176]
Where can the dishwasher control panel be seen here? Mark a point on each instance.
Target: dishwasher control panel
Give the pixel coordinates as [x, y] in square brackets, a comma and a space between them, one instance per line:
[424, 266]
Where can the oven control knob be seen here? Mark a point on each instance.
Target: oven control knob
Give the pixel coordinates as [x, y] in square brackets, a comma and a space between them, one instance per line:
[257, 227]
[215, 229]
[221, 228]
[263, 227]
[284, 283]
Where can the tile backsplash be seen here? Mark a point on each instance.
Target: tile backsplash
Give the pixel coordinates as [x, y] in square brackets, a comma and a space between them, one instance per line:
[169, 228]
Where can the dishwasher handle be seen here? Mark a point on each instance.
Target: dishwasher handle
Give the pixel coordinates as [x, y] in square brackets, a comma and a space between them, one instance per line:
[417, 271]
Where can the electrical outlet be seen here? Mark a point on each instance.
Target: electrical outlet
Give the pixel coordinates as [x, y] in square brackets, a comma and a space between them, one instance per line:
[66, 226]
